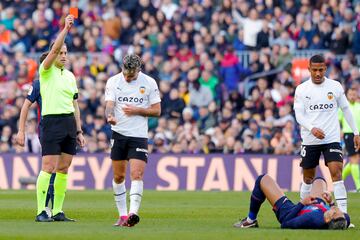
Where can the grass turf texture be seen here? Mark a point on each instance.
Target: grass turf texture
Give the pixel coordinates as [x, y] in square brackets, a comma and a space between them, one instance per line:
[164, 215]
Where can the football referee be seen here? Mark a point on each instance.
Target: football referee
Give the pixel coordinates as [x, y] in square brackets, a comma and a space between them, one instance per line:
[61, 127]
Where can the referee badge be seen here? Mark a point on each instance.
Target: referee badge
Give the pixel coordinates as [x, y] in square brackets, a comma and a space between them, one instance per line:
[330, 95]
[142, 89]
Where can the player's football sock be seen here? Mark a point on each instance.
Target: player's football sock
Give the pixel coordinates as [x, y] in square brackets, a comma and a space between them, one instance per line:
[50, 192]
[120, 198]
[305, 190]
[355, 172]
[257, 198]
[250, 220]
[346, 171]
[340, 195]
[136, 192]
[60, 185]
[42, 185]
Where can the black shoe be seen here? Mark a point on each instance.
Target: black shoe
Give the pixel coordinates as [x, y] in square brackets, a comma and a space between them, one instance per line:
[244, 223]
[43, 217]
[60, 217]
[132, 220]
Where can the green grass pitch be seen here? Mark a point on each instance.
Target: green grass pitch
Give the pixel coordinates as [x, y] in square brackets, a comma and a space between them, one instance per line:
[164, 215]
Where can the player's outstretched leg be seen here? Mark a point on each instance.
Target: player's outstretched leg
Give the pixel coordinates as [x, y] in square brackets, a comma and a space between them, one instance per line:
[256, 199]
[265, 188]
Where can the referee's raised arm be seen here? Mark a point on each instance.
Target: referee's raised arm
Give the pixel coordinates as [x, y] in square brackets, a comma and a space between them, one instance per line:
[55, 49]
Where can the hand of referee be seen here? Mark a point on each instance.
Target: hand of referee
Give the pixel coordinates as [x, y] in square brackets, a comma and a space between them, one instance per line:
[80, 140]
[20, 138]
[318, 133]
[69, 21]
[357, 142]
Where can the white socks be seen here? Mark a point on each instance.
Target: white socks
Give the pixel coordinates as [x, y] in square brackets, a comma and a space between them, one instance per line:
[120, 197]
[136, 192]
[305, 190]
[340, 195]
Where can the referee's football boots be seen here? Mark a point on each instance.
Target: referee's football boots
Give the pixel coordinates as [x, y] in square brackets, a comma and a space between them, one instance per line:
[43, 217]
[60, 217]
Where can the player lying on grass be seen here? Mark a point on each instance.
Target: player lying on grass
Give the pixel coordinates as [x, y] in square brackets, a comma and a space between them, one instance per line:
[314, 212]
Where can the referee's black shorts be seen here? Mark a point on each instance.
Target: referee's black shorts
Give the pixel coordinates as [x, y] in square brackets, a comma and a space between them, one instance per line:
[349, 144]
[58, 134]
[125, 148]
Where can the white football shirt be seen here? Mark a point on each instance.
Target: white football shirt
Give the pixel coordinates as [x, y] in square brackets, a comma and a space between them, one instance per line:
[319, 104]
[142, 92]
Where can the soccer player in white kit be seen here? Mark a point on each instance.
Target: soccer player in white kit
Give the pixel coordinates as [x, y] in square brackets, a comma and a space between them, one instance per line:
[131, 97]
[316, 108]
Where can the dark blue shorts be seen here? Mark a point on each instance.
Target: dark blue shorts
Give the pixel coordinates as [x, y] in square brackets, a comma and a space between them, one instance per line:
[282, 208]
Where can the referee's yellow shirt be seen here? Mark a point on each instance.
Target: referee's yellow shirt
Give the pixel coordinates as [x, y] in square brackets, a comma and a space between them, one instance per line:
[355, 110]
[57, 89]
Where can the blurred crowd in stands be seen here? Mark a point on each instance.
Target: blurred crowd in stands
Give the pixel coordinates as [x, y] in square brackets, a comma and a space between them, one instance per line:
[191, 48]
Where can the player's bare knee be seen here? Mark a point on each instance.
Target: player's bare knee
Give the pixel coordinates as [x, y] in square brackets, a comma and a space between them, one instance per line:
[119, 179]
[137, 175]
[47, 170]
[354, 159]
[62, 169]
[47, 167]
[336, 176]
[319, 180]
[336, 172]
[308, 180]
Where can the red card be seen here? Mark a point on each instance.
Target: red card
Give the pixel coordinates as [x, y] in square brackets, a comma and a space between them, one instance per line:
[74, 11]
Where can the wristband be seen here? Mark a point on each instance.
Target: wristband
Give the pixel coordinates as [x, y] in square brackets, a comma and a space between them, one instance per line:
[78, 132]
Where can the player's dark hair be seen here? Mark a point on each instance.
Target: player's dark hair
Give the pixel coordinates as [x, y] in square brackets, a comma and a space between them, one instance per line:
[317, 59]
[43, 56]
[351, 88]
[338, 224]
[132, 62]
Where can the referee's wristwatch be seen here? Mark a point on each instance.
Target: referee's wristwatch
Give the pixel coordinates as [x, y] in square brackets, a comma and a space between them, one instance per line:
[78, 132]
